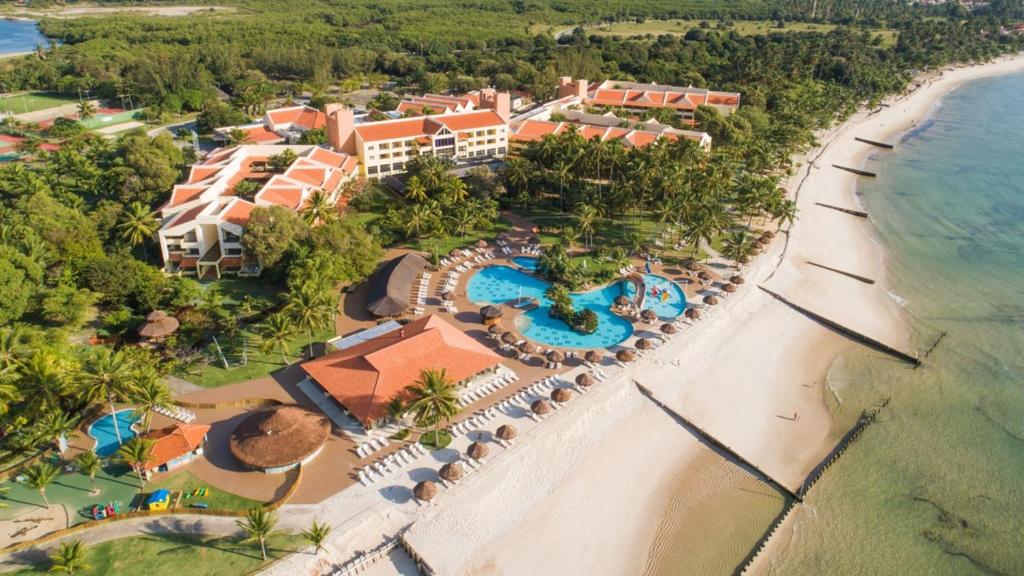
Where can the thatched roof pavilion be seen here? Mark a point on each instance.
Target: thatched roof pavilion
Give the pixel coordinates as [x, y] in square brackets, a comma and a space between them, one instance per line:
[506, 432]
[477, 451]
[625, 356]
[594, 356]
[392, 284]
[451, 472]
[704, 275]
[540, 407]
[158, 325]
[278, 439]
[692, 313]
[490, 312]
[561, 395]
[585, 380]
[710, 300]
[425, 491]
[644, 344]
[668, 328]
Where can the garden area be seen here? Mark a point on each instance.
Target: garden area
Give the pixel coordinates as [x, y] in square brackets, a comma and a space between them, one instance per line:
[33, 102]
[185, 482]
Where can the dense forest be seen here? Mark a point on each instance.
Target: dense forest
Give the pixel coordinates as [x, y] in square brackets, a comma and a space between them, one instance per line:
[76, 224]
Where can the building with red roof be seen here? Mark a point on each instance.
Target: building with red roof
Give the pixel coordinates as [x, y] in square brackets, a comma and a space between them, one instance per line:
[173, 446]
[363, 378]
[281, 125]
[205, 217]
[637, 97]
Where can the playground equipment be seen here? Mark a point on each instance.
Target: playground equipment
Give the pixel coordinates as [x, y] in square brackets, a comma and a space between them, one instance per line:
[101, 512]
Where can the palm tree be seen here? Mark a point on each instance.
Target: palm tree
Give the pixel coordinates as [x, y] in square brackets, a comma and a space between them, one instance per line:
[89, 463]
[517, 174]
[737, 245]
[135, 453]
[138, 224]
[418, 218]
[86, 110]
[571, 236]
[275, 334]
[107, 376]
[258, 524]
[69, 558]
[586, 217]
[396, 408]
[415, 191]
[456, 189]
[150, 394]
[43, 380]
[317, 535]
[310, 309]
[54, 425]
[236, 136]
[786, 212]
[432, 400]
[319, 209]
[39, 476]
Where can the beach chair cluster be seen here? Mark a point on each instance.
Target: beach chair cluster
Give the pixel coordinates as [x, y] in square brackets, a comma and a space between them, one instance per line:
[177, 413]
[533, 249]
[487, 388]
[598, 374]
[627, 270]
[363, 561]
[538, 390]
[474, 423]
[390, 464]
[367, 448]
[421, 289]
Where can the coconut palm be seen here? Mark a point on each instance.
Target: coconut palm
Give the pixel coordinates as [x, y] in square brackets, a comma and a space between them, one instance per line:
[86, 110]
[42, 381]
[258, 525]
[319, 209]
[275, 334]
[310, 309]
[106, 376]
[571, 236]
[150, 394]
[586, 217]
[737, 246]
[396, 408]
[317, 535]
[517, 174]
[786, 212]
[89, 463]
[418, 219]
[135, 453]
[237, 136]
[54, 425]
[138, 224]
[433, 400]
[39, 476]
[415, 191]
[69, 558]
[456, 189]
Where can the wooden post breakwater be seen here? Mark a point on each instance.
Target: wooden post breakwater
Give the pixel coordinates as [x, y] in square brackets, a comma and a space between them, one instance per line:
[716, 444]
[859, 278]
[762, 542]
[862, 338]
[856, 171]
[857, 213]
[874, 143]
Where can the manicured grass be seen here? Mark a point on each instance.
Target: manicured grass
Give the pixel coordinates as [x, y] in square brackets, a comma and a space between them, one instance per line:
[216, 499]
[746, 28]
[175, 555]
[74, 492]
[33, 101]
[442, 246]
[443, 439]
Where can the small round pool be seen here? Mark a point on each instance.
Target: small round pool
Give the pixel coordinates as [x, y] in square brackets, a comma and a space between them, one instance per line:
[525, 262]
[663, 296]
[103, 431]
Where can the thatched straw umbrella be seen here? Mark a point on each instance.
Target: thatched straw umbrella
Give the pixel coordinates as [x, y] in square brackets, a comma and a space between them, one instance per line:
[510, 338]
[693, 267]
[506, 432]
[535, 230]
[425, 491]
[451, 472]
[737, 279]
[158, 325]
[561, 395]
[704, 275]
[710, 300]
[481, 243]
[621, 301]
[490, 314]
[730, 288]
[668, 328]
[496, 331]
[448, 295]
[556, 356]
[692, 313]
[625, 356]
[528, 348]
[743, 259]
[455, 252]
[768, 234]
[585, 380]
[477, 451]
[649, 315]
[644, 344]
[278, 438]
[594, 357]
[540, 407]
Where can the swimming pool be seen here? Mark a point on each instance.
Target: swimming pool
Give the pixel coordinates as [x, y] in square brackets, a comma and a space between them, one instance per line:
[103, 431]
[525, 262]
[498, 284]
[663, 296]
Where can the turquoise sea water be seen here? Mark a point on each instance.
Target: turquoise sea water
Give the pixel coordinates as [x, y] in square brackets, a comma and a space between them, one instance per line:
[936, 486]
[19, 36]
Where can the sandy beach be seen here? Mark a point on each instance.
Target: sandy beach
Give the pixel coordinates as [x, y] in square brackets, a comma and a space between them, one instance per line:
[587, 494]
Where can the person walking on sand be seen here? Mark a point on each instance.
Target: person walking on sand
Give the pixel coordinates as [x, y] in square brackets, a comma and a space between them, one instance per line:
[796, 416]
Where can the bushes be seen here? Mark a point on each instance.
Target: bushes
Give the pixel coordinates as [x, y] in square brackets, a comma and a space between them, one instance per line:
[121, 280]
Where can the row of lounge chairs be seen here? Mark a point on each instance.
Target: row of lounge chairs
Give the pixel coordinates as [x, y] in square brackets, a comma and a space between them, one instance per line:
[176, 412]
[474, 423]
[488, 388]
[390, 464]
[367, 448]
[533, 249]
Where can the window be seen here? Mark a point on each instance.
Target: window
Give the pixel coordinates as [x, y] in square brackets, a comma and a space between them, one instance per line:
[231, 237]
[371, 170]
[192, 252]
[174, 247]
[490, 140]
[190, 236]
[233, 251]
[444, 142]
[385, 156]
[385, 145]
[398, 166]
[490, 152]
[501, 151]
[490, 132]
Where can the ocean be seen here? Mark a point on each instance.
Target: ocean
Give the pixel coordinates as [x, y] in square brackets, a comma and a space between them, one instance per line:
[19, 36]
[936, 485]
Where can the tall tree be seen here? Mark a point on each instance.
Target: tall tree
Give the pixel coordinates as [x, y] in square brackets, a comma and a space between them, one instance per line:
[275, 334]
[432, 400]
[39, 476]
[138, 224]
[258, 524]
[69, 558]
[135, 453]
[88, 463]
[107, 376]
[310, 308]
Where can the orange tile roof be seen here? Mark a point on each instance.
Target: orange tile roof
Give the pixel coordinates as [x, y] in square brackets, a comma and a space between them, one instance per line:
[471, 120]
[407, 128]
[287, 197]
[261, 135]
[365, 377]
[239, 212]
[302, 116]
[188, 215]
[174, 442]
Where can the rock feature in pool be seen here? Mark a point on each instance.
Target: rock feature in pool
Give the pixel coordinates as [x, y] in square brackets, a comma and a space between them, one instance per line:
[499, 284]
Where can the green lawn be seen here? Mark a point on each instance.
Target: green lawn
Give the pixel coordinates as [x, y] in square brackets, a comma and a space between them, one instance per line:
[174, 555]
[442, 246]
[74, 492]
[443, 438]
[746, 28]
[33, 101]
[216, 499]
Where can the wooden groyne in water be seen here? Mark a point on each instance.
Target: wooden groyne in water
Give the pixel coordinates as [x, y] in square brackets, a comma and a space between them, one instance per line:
[717, 444]
[874, 143]
[862, 338]
[856, 171]
[846, 210]
[844, 273]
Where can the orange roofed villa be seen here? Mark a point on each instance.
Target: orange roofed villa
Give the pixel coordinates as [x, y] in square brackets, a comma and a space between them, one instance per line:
[637, 98]
[282, 125]
[364, 377]
[206, 215]
[173, 446]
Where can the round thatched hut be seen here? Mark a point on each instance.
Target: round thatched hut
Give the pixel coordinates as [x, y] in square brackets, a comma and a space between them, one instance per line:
[621, 301]
[495, 331]
[644, 344]
[481, 243]
[555, 356]
[585, 380]
[730, 288]
[594, 357]
[528, 348]
[649, 315]
[692, 313]
[477, 451]
[279, 439]
[625, 356]
[510, 338]
[451, 472]
[561, 395]
[668, 328]
[425, 491]
[710, 300]
[506, 432]
[737, 279]
[158, 325]
[491, 315]
[540, 407]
